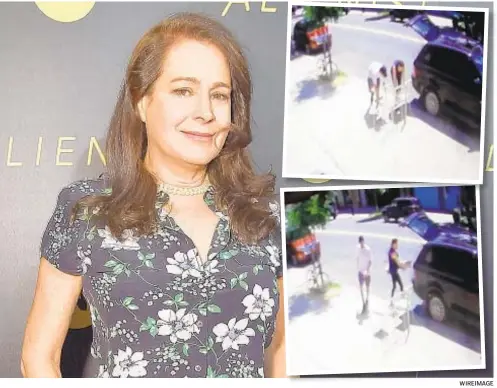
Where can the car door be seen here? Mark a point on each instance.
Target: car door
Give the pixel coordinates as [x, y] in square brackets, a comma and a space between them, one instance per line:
[464, 267]
[395, 209]
[470, 89]
[446, 67]
[438, 74]
[442, 273]
[423, 26]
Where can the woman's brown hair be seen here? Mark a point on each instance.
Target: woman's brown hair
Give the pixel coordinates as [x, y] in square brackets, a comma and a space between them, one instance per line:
[243, 194]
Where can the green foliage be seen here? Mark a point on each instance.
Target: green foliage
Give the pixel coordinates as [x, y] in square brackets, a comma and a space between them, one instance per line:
[309, 214]
[320, 15]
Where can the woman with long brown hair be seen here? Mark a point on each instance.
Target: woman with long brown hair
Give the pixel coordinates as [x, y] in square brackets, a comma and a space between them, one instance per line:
[177, 247]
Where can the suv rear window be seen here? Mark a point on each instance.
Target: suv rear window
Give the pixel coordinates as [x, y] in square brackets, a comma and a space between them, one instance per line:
[404, 203]
[455, 262]
[451, 62]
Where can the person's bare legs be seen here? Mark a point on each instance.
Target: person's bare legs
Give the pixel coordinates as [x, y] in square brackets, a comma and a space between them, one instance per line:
[367, 281]
[364, 281]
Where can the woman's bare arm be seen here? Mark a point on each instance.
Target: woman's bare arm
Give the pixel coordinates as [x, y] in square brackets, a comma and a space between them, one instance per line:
[275, 360]
[56, 295]
[396, 258]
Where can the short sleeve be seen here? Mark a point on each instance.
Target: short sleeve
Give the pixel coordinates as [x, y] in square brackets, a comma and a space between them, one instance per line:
[275, 239]
[60, 241]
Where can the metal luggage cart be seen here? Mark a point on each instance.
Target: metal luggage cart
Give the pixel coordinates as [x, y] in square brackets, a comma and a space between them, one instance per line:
[400, 97]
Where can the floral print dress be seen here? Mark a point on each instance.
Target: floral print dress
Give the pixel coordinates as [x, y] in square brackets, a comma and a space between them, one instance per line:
[157, 310]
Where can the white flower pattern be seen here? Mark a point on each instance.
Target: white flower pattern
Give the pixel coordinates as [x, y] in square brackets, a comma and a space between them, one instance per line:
[274, 255]
[259, 304]
[85, 261]
[129, 364]
[184, 264]
[156, 309]
[129, 243]
[177, 325]
[103, 372]
[233, 334]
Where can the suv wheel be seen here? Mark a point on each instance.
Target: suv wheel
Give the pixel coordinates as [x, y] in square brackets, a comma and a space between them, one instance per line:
[437, 307]
[432, 102]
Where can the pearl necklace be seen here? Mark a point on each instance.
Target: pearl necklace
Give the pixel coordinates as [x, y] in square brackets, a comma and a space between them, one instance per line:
[184, 191]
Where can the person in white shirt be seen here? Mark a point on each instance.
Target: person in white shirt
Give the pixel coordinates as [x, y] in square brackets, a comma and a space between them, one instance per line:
[364, 262]
[377, 75]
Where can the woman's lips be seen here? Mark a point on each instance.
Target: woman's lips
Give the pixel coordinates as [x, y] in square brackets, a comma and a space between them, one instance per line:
[198, 136]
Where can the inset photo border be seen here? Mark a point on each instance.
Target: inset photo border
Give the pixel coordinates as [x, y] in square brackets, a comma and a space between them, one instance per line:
[393, 94]
[346, 246]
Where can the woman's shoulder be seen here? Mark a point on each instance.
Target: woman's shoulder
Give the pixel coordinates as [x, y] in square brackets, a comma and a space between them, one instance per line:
[273, 207]
[79, 189]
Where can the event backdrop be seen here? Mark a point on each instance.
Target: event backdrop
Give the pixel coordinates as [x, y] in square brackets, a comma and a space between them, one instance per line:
[60, 72]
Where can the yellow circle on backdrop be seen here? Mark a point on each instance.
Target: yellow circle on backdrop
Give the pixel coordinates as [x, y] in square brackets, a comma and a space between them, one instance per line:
[310, 180]
[65, 12]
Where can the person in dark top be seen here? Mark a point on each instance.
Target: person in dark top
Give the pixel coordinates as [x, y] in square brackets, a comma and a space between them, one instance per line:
[394, 264]
[397, 72]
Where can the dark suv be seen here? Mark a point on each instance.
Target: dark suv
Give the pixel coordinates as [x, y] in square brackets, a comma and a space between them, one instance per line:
[448, 72]
[446, 270]
[401, 207]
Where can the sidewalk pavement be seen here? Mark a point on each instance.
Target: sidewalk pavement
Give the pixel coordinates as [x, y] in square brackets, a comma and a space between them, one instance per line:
[333, 341]
[335, 125]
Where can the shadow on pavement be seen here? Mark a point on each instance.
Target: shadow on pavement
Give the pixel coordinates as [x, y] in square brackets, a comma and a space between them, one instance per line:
[458, 333]
[373, 217]
[448, 127]
[305, 303]
[380, 16]
[312, 88]
[372, 122]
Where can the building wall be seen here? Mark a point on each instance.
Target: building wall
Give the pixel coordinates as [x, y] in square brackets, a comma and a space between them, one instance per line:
[438, 198]
[452, 197]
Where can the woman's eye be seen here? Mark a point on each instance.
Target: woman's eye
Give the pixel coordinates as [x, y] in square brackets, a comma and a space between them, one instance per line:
[183, 92]
[221, 96]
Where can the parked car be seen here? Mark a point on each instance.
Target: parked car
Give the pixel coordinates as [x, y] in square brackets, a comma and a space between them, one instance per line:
[448, 72]
[445, 273]
[401, 14]
[401, 207]
[303, 250]
[311, 36]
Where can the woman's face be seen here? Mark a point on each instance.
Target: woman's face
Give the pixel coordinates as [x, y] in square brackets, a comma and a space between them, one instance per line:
[188, 114]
